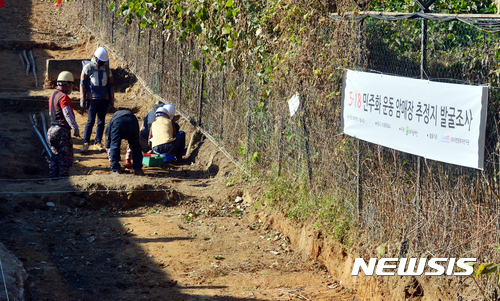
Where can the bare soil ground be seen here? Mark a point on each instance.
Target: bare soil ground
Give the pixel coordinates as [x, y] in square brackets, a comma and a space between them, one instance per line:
[176, 233]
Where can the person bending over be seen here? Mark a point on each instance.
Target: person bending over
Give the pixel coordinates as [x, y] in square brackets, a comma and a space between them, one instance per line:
[123, 125]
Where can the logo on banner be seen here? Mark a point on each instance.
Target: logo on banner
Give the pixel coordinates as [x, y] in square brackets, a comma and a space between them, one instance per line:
[408, 266]
[445, 139]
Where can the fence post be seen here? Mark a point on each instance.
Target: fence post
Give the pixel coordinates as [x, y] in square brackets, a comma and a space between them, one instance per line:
[127, 43]
[100, 19]
[149, 49]
[93, 13]
[137, 49]
[162, 38]
[112, 27]
[423, 58]
[306, 141]
[417, 196]
[223, 96]
[179, 56]
[249, 120]
[358, 180]
[361, 42]
[280, 142]
[423, 49]
[200, 100]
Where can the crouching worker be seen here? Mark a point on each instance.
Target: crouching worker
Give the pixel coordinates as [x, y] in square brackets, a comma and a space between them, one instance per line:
[123, 125]
[62, 121]
[144, 136]
[146, 127]
[165, 136]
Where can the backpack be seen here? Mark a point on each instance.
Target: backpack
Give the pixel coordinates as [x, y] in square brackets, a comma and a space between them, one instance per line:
[97, 81]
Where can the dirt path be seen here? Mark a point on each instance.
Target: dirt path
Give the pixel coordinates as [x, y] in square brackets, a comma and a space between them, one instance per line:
[184, 247]
[184, 231]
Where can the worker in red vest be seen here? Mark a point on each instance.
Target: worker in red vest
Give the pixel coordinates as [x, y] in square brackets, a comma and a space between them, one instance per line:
[62, 121]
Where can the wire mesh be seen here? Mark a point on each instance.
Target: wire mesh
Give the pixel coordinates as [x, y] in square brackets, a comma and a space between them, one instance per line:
[455, 213]
[441, 222]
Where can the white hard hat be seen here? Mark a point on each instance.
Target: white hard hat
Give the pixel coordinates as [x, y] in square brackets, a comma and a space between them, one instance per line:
[171, 110]
[162, 110]
[102, 54]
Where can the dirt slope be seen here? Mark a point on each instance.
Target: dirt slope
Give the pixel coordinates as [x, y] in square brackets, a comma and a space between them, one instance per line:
[184, 231]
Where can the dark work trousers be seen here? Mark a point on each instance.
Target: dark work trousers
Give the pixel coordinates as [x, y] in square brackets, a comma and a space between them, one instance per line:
[176, 147]
[144, 141]
[97, 107]
[125, 127]
[62, 151]
[145, 134]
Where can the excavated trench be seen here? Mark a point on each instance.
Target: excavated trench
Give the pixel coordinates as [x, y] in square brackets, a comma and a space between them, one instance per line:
[24, 157]
[174, 234]
[21, 150]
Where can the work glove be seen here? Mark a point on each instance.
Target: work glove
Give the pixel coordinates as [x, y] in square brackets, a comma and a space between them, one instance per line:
[82, 104]
[76, 132]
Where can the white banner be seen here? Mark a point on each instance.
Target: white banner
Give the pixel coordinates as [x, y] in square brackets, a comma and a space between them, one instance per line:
[438, 121]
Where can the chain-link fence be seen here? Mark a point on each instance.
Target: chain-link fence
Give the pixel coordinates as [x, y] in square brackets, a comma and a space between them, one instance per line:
[435, 208]
[441, 209]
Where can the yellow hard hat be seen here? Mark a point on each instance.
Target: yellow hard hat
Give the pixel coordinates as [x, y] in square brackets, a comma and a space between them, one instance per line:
[65, 76]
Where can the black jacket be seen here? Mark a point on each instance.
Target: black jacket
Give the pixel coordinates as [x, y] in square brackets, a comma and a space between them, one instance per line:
[116, 115]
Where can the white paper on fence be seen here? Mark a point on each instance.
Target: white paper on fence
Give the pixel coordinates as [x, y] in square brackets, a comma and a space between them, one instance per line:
[293, 104]
[438, 121]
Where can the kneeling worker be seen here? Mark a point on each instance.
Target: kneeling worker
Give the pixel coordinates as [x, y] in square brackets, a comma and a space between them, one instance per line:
[148, 120]
[123, 125]
[165, 136]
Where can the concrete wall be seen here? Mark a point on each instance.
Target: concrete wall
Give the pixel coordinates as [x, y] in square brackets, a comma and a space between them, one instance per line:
[55, 66]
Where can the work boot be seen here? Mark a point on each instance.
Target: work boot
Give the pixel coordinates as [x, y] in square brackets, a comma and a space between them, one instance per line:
[85, 148]
[116, 172]
[99, 147]
[139, 172]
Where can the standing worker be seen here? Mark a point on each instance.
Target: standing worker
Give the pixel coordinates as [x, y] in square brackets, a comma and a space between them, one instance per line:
[124, 125]
[62, 121]
[96, 92]
[165, 136]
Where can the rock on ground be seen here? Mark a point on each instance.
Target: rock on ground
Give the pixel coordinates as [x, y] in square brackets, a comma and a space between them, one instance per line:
[13, 277]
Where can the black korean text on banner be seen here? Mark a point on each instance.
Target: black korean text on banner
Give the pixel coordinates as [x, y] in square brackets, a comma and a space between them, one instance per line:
[439, 121]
